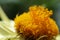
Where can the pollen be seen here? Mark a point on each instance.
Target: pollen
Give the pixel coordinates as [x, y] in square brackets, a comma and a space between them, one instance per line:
[35, 23]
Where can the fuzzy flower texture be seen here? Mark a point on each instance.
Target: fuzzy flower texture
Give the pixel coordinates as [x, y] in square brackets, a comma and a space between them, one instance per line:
[35, 23]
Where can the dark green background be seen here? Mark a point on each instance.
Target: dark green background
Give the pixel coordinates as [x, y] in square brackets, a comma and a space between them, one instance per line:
[12, 7]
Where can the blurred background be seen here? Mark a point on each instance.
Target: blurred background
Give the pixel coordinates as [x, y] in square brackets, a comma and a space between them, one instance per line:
[13, 7]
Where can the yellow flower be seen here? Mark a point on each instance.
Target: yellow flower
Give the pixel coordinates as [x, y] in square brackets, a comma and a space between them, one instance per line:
[35, 23]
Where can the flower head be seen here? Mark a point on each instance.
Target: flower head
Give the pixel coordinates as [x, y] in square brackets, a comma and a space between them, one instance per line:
[35, 23]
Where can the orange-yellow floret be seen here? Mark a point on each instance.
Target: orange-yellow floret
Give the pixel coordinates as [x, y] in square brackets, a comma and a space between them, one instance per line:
[36, 22]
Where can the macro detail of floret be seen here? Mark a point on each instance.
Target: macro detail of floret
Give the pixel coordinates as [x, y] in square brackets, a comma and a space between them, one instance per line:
[35, 23]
